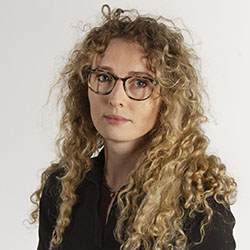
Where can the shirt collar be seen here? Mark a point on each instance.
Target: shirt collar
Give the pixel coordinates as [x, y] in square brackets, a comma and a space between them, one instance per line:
[96, 173]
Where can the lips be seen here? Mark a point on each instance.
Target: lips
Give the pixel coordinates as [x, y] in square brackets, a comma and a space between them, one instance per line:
[116, 119]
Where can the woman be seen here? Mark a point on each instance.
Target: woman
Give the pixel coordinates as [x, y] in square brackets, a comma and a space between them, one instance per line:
[130, 87]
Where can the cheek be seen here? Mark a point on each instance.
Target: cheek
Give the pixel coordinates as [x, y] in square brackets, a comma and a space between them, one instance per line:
[93, 106]
[97, 103]
[149, 113]
[156, 110]
[155, 107]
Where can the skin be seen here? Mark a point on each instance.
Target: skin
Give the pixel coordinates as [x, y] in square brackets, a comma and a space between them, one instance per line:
[123, 137]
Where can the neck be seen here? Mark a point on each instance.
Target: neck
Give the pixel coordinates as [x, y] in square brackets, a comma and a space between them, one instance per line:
[120, 160]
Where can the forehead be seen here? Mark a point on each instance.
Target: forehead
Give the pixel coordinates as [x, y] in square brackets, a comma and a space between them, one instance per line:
[122, 56]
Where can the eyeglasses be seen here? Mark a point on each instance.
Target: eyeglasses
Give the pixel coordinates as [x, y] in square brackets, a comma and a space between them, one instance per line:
[138, 88]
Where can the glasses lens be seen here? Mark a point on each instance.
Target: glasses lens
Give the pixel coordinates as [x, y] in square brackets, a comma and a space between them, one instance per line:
[100, 82]
[139, 88]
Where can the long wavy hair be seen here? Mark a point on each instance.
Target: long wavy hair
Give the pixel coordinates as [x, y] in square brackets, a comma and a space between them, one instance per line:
[174, 174]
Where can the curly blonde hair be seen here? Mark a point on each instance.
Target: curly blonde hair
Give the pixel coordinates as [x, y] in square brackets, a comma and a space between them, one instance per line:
[174, 174]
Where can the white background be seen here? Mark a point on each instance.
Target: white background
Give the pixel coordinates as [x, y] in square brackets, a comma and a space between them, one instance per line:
[35, 35]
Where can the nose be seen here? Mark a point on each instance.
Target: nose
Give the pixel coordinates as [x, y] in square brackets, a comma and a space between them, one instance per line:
[118, 96]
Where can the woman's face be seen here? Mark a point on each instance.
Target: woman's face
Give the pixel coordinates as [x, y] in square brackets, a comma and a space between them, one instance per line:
[115, 116]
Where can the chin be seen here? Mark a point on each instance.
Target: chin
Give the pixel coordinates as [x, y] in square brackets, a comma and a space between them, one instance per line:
[124, 138]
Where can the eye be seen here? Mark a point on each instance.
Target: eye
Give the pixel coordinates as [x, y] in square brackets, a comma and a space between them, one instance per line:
[102, 77]
[140, 83]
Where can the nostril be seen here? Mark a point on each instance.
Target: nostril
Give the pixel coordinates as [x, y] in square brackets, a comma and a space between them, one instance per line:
[116, 104]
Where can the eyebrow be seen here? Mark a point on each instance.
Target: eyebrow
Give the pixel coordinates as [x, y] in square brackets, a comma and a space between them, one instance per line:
[107, 68]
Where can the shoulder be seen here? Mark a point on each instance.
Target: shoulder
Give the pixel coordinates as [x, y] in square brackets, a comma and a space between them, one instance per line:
[50, 198]
[52, 186]
[218, 232]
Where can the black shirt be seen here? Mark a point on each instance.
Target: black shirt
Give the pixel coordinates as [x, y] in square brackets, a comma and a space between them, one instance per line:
[85, 231]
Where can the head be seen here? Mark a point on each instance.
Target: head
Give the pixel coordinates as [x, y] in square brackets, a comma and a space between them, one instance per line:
[126, 109]
[165, 58]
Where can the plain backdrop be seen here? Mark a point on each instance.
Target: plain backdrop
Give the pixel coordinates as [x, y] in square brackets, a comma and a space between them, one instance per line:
[37, 35]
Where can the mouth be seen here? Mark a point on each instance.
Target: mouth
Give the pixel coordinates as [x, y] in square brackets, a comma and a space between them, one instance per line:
[116, 119]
